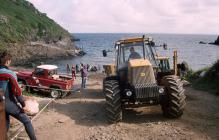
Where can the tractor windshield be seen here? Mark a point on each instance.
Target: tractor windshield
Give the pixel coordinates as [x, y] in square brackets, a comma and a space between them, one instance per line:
[135, 50]
[132, 51]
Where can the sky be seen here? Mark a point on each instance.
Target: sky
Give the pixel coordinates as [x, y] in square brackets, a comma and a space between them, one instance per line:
[133, 16]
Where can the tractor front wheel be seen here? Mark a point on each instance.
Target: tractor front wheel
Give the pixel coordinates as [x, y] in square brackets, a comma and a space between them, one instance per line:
[174, 102]
[113, 100]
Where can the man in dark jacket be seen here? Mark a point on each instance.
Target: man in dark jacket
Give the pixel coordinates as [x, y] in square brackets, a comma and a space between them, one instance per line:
[14, 101]
[83, 76]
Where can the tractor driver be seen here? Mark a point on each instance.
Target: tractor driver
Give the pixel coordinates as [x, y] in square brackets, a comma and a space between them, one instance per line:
[134, 54]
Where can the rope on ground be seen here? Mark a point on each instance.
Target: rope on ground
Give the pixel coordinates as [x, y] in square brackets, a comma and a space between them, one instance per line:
[21, 129]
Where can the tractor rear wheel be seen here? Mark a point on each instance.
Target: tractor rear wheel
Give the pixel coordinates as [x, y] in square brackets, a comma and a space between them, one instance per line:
[113, 100]
[174, 102]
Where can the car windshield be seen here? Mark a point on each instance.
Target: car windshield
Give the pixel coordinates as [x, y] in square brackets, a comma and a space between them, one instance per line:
[39, 71]
[52, 72]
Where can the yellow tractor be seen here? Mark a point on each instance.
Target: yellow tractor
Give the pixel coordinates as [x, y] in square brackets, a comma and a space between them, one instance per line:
[140, 77]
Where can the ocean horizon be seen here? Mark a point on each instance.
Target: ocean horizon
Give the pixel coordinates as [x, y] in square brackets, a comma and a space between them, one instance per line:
[196, 55]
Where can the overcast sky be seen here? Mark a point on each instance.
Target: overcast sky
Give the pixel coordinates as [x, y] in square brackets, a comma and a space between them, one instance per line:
[144, 16]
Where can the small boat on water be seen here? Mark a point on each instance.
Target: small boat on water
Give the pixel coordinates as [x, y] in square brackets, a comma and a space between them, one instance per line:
[75, 39]
[80, 52]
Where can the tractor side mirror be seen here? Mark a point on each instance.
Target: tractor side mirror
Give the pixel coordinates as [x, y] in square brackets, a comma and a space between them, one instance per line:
[104, 53]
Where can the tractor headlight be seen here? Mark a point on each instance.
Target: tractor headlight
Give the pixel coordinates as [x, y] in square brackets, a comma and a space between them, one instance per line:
[128, 93]
[161, 90]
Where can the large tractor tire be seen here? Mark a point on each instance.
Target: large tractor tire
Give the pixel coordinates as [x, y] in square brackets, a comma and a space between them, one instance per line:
[174, 102]
[113, 100]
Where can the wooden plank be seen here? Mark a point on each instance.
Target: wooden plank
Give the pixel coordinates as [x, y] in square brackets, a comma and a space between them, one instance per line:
[2, 117]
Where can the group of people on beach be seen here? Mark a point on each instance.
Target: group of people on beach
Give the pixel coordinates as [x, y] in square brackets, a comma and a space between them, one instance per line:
[83, 69]
[77, 67]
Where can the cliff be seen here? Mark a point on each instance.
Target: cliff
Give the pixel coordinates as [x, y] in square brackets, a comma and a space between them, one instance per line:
[30, 35]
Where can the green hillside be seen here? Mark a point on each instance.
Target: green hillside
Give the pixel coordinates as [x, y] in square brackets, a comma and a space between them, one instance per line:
[210, 79]
[20, 21]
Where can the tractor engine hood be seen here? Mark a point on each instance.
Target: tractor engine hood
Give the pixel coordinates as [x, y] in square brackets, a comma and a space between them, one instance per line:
[140, 72]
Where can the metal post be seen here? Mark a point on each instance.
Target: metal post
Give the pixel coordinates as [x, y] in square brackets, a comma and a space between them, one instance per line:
[3, 132]
[175, 62]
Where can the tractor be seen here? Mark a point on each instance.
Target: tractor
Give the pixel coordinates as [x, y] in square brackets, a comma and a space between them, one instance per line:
[141, 77]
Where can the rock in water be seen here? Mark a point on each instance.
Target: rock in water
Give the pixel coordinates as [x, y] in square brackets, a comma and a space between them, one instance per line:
[216, 42]
[201, 42]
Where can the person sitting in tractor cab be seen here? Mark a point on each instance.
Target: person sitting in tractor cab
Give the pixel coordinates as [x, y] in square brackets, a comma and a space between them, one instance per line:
[134, 54]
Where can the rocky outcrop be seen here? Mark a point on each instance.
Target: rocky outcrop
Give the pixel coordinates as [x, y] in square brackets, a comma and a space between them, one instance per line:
[216, 42]
[31, 37]
[3, 19]
[32, 52]
[201, 42]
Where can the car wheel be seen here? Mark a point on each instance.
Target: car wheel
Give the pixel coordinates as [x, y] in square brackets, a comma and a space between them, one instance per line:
[22, 85]
[55, 94]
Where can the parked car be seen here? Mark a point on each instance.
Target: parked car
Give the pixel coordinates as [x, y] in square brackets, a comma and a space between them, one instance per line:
[45, 78]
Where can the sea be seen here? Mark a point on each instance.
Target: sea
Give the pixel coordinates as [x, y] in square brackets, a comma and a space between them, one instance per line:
[187, 45]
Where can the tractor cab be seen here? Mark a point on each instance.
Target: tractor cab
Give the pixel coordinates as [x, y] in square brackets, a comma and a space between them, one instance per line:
[133, 48]
[136, 48]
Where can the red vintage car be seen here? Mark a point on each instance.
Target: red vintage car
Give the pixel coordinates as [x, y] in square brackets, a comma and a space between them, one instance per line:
[45, 78]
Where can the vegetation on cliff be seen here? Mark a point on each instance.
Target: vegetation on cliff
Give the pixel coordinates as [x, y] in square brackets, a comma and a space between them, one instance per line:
[20, 21]
[30, 35]
[206, 78]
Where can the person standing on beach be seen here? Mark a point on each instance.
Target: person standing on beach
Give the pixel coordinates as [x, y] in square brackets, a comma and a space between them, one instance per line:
[83, 76]
[77, 68]
[14, 101]
[184, 69]
[88, 67]
[73, 71]
[68, 68]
